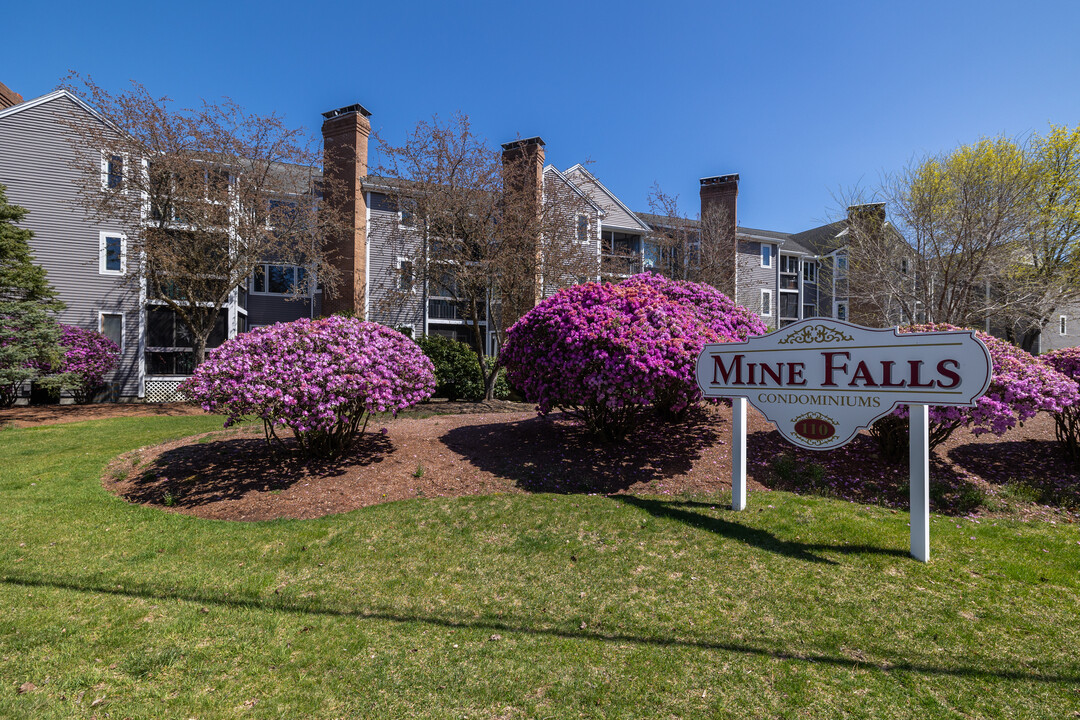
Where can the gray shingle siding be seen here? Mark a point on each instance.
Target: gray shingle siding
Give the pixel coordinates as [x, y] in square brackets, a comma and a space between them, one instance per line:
[387, 240]
[36, 165]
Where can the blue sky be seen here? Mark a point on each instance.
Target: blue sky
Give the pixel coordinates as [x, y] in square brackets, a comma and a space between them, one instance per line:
[806, 100]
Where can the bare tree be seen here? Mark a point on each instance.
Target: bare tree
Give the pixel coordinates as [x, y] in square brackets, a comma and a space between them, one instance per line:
[479, 230]
[702, 250]
[986, 234]
[955, 221]
[205, 196]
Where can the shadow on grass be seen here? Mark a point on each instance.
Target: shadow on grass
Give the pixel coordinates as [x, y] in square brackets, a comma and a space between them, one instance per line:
[552, 455]
[199, 473]
[535, 627]
[763, 539]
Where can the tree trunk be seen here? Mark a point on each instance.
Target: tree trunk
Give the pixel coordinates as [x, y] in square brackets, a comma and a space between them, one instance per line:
[198, 349]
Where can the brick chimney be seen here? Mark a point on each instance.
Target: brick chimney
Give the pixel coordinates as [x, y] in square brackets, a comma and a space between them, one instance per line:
[523, 183]
[8, 97]
[721, 192]
[345, 153]
[872, 214]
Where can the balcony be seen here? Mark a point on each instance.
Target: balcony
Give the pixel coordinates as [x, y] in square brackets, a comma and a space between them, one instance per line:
[452, 310]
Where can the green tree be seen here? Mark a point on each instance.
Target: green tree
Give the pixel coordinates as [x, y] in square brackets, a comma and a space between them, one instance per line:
[29, 332]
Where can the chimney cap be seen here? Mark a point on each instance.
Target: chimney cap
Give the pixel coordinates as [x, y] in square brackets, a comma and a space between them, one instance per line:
[354, 108]
[720, 179]
[523, 143]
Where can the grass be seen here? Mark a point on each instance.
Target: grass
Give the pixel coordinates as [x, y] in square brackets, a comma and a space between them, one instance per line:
[527, 606]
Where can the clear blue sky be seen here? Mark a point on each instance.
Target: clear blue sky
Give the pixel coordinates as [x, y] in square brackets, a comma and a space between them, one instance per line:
[805, 100]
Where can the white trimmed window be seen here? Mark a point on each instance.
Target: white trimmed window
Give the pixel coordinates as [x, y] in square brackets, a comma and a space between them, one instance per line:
[112, 253]
[809, 271]
[111, 325]
[112, 171]
[279, 280]
[766, 255]
[405, 274]
[766, 302]
[841, 266]
[582, 228]
[1063, 325]
[841, 311]
[407, 213]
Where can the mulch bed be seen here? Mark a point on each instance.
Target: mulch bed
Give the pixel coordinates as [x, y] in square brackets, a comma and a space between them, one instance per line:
[233, 475]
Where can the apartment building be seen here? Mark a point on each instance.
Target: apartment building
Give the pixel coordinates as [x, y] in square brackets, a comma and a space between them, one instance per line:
[782, 276]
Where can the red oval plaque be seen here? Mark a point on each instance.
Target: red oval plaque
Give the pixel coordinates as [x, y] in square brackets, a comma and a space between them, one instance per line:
[815, 429]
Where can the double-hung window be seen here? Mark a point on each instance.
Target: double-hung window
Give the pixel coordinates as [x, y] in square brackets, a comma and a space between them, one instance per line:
[766, 255]
[111, 325]
[405, 277]
[112, 253]
[766, 302]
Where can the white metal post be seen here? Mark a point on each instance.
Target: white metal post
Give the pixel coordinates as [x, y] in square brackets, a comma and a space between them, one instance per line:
[919, 440]
[738, 453]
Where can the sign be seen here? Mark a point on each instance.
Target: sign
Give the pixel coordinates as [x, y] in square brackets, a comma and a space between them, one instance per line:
[820, 380]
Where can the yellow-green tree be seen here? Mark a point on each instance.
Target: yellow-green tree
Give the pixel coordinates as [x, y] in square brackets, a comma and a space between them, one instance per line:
[986, 233]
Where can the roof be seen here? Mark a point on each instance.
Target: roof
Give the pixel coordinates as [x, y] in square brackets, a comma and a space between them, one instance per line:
[822, 239]
[56, 95]
[592, 178]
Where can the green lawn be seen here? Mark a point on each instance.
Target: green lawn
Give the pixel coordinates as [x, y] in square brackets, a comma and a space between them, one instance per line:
[538, 606]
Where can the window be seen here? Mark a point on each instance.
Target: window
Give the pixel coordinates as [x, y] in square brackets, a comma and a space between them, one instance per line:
[789, 305]
[841, 265]
[114, 171]
[766, 256]
[808, 311]
[789, 264]
[809, 271]
[582, 228]
[112, 249]
[111, 325]
[404, 274]
[1063, 325]
[766, 302]
[904, 266]
[279, 280]
[841, 311]
[407, 213]
[169, 340]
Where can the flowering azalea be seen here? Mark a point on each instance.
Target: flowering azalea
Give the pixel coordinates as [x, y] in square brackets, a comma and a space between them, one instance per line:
[605, 351]
[1021, 386]
[88, 356]
[1067, 420]
[321, 379]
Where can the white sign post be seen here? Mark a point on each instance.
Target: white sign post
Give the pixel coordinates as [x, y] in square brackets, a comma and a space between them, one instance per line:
[820, 381]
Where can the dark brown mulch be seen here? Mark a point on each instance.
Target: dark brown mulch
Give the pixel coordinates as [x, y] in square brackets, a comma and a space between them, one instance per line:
[31, 415]
[234, 475]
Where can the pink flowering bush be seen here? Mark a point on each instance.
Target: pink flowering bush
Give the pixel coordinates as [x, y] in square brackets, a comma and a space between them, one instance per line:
[321, 379]
[1066, 420]
[606, 352]
[88, 356]
[1020, 387]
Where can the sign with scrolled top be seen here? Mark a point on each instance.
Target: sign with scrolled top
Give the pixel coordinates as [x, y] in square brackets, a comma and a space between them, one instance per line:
[820, 381]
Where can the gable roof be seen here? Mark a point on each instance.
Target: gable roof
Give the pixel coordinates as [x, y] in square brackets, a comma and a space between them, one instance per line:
[56, 95]
[616, 202]
[573, 186]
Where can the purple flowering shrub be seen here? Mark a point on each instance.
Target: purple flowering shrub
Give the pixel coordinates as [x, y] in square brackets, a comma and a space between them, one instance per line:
[606, 352]
[88, 356]
[321, 379]
[1066, 420]
[1020, 387]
